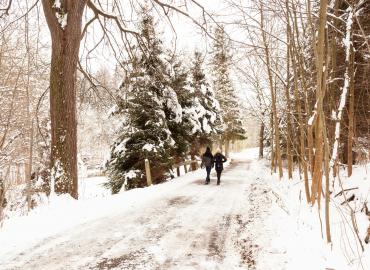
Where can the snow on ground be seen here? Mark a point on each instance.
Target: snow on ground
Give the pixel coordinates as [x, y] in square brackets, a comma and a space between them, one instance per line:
[252, 221]
[92, 187]
[297, 230]
[177, 225]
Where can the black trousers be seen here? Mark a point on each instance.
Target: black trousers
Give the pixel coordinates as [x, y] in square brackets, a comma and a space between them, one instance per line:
[218, 176]
[208, 169]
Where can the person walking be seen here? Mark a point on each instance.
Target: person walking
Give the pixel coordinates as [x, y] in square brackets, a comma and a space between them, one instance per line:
[219, 160]
[207, 161]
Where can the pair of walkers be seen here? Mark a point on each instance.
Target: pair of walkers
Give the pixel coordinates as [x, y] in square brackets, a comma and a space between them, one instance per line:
[209, 161]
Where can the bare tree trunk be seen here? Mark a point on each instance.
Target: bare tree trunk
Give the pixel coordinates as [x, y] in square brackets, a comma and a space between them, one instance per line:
[64, 58]
[289, 136]
[29, 167]
[327, 178]
[261, 135]
[334, 85]
[273, 96]
[310, 149]
[220, 143]
[193, 152]
[348, 76]
[227, 148]
[273, 163]
[262, 127]
[30, 122]
[302, 154]
[351, 113]
[299, 75]
[320, 60]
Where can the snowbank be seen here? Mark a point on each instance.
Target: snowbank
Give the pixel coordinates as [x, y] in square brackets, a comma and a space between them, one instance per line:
[300, 232]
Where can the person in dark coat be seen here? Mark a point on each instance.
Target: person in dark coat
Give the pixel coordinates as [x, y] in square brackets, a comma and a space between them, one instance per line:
[207, 161]
[219, 160]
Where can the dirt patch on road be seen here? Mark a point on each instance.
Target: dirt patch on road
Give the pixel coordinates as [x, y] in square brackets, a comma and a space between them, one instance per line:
[126, 261]
[216, 244]
[180, 200]
[251, 225]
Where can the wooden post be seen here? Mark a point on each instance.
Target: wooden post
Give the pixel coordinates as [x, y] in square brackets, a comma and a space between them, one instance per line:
[148, 174]
[196, 164]
[190, 165]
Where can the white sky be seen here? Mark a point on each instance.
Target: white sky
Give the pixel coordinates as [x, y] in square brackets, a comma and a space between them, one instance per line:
[186, 36]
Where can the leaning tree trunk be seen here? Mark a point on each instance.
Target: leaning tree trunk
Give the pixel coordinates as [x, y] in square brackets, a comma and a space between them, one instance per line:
[66, 38]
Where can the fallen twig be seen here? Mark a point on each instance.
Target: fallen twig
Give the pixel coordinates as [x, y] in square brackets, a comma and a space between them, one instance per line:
[347, 200]
[341, 192]
[280, 202]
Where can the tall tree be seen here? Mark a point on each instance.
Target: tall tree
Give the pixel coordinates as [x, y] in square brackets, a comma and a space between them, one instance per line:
[179, 121]
[272, 90]
[64, 19]
[145, 132]
[225, 92]
[205, 110]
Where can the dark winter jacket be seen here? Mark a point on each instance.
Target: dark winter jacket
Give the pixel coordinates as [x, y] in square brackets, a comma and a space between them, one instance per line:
[207, 159]
[219, 160]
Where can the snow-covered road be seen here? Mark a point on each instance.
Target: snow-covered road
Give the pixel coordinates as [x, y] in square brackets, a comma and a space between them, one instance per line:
[189, 226]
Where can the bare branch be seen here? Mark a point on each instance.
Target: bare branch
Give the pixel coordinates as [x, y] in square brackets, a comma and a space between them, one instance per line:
[6, 9]
[100, 12]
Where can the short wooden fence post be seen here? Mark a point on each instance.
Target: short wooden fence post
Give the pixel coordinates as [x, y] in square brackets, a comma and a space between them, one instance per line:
[148, 174]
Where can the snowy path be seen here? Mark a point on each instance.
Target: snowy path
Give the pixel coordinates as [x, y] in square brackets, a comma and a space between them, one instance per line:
[190, 226]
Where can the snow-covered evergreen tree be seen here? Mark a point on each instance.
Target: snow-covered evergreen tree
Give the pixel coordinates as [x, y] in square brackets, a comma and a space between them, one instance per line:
[201, 119]
[145, 133]
[205, 110]
[225, 92]
[181, 128]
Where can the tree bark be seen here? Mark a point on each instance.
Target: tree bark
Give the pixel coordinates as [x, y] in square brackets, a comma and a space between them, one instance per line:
[262, 127]
[320, 91]
[64, 59]
[351, 113]
[295, 58]
[273, 163]
[289, 136]
[327, 179]
[261, 135]
[29, 162]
